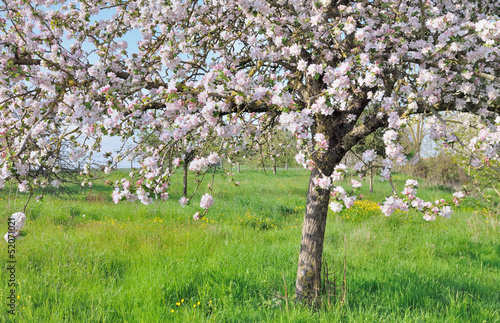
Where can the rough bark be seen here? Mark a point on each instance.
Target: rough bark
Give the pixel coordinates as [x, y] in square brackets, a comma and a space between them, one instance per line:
[311, 249]
[188, 157]
[185, 180]
[308, 282]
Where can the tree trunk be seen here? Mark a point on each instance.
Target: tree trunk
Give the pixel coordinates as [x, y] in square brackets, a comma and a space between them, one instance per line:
[371, 180]
[274, 169]
[286, 166]
[335, 129]
[308, 282]
[238, 166]
[185, 179]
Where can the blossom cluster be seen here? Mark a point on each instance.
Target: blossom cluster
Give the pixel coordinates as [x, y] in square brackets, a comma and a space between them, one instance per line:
[341, 199]
[410, 200]
[16, 223]
[206, 201]
[200, 163]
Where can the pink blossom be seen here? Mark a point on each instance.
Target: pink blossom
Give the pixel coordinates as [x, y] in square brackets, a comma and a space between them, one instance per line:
[206, 201]
[355, 183]
[213, 158]
[143, 196]
[300, 158]
[22, 169]
[369, 155]
[358, 166]
[349, 201]
[389, 136]
[418, 204]
[445, 211]
[198, 164]
[183, 201]
[323, 182]
[321, 142]
[339, 192]
[337, 176]
[19, 220]
[116, 195]
[429, 216]
[411, 182]
[23, 186]
[16, 223]
[259, 93]
[336, 207]
[409, 191]
[385, 174]
[387, 163]
[302, 65]
[149, 162]
[295, 50]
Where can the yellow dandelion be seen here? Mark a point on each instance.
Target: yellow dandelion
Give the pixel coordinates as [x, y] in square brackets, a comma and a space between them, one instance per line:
[172, 311]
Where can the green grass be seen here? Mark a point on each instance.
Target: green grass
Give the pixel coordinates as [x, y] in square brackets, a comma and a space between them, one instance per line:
[84, 259]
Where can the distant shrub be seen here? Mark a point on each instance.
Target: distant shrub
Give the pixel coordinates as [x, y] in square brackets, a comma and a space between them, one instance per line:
[96, 197]
[438, 171]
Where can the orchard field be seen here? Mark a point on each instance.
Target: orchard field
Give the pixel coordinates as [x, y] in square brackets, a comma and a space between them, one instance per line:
[83, 258]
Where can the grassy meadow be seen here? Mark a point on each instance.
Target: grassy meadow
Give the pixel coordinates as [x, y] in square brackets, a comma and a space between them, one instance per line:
[83, 258]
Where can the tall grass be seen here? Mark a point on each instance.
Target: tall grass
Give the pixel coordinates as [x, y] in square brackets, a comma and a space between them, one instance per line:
[84, 259]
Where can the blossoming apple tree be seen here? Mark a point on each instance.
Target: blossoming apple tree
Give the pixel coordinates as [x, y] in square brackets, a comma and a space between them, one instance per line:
[330, 72]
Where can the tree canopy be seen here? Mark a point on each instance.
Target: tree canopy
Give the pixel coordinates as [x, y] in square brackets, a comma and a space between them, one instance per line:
[330, 72]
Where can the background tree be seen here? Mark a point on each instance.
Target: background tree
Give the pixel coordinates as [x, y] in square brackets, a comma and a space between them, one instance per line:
[430, 158]
[235, 69]
[483, 170]
[277, 148]
[414, 134]
[373, 142]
